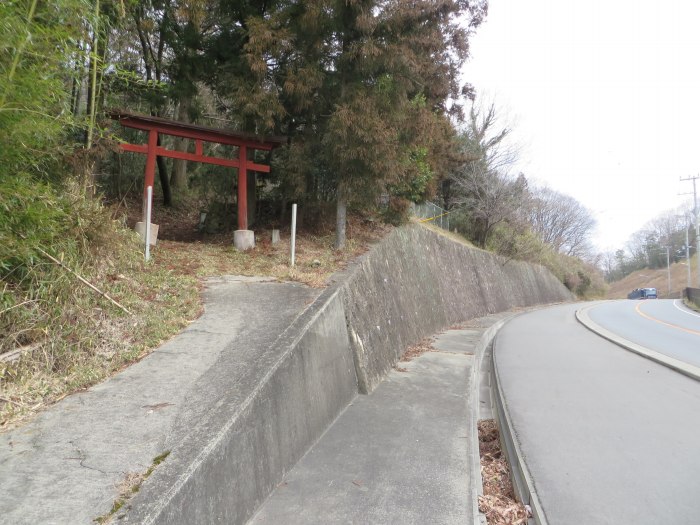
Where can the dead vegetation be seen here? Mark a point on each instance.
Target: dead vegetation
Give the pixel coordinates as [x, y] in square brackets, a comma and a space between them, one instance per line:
[184, 248]
[498, 503]
[128, 487]
[418, 349]
[656, 278]
[413, 351]
[89, 339]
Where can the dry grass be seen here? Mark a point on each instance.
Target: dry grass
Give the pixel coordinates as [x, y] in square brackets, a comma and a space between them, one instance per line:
[95, 340]
[89, 339]
[184, 249]
[498, 502]
[445, 233]
[128, 487]
[315, 259]
[657, 278]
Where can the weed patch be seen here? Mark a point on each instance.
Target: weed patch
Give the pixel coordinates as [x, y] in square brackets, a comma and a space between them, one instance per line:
[58, 336]
[129, 486]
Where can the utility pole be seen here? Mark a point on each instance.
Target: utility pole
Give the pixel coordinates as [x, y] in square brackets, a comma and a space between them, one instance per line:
[696, 212]
[668, 268]
[668, 265]
[687, 250]
[687, 221]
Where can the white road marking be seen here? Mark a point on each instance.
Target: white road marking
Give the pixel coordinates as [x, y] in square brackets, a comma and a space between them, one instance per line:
[684, 309]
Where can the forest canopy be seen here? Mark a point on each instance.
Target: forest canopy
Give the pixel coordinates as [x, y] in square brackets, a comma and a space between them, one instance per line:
[368, 94]
[375, 114]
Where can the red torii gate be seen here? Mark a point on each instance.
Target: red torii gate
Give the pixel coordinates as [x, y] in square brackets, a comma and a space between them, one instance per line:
[243, 238]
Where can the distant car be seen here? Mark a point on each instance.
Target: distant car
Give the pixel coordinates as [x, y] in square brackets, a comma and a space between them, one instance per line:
[642, 293]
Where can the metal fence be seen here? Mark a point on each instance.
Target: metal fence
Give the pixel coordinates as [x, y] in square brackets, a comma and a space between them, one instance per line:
[430, 212]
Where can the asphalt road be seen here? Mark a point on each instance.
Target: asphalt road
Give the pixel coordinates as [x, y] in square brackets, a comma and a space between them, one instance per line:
[663, 325]
[607, 436]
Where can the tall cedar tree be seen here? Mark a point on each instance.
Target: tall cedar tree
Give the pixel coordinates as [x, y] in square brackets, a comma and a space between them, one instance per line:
[363, 89]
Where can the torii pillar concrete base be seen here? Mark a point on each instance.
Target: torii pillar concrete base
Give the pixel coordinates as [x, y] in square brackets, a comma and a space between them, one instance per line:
[244, 239]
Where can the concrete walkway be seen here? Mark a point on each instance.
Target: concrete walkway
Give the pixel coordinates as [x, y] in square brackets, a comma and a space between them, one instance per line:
[65, 466]
[405, 454]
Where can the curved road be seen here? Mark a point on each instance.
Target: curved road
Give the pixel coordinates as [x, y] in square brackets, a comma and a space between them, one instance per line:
[663, 325]
[607, 436]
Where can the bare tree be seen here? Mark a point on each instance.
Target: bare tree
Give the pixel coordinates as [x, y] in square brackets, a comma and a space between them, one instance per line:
[482, 185]
[486, 142]
[561, 221]
[609, 265]
[490, 197]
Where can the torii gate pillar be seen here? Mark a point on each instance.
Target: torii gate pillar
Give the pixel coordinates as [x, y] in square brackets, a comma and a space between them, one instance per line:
[243, 238]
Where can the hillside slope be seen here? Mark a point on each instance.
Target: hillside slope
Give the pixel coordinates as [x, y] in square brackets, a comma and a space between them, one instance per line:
[658, 279]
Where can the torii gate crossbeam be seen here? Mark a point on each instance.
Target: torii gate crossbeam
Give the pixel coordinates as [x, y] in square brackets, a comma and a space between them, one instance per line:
[156, 126]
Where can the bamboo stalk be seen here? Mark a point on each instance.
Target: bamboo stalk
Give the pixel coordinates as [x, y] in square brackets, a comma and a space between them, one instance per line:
[93, 73]
[7, 400]
[19, 51]
[84, 281]
[17, 305]
[14, 355]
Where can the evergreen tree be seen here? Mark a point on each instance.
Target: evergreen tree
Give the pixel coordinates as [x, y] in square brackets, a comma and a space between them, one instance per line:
[361, 87]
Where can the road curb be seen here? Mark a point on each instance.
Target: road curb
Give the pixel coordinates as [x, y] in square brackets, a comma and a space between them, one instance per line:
[485, 340]
[523, 483]
[679, 366]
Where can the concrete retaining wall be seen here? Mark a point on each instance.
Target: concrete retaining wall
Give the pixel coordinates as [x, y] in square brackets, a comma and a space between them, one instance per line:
[417, 283]
[247, 449]
[693, 295]
[414, 284]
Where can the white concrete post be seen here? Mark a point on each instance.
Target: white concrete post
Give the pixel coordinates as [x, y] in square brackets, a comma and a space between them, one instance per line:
[149, 201]
[294, 231]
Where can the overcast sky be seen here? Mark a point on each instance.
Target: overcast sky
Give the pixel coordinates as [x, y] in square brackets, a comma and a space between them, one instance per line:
[603, 96]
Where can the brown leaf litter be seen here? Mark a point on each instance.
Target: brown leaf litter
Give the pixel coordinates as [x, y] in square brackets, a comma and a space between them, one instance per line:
[498, 502]
[418, 349]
